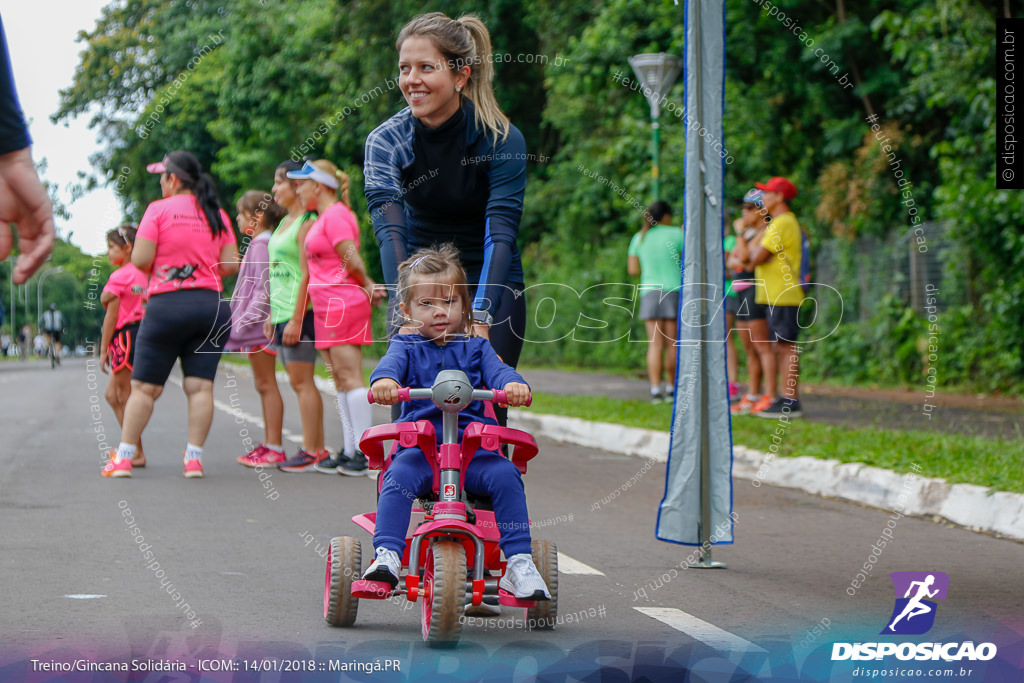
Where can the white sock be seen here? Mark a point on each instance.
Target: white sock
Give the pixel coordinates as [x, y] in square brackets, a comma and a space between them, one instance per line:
[655, 390]
[669, 389]
[276, 449]
[362, 414]
[125, 451]
[193, 452]
[346, 424]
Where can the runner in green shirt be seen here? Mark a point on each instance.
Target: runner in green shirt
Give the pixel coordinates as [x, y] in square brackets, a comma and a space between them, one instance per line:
[655, 254]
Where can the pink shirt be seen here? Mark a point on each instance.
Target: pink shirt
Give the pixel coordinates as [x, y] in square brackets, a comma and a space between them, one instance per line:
[187, 252]
[128, 284]
[334, 226]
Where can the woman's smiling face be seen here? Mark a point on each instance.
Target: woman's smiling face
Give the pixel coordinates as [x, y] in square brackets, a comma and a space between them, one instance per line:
[427, 82]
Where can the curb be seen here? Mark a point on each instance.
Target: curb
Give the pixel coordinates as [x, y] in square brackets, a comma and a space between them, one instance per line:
[975, 507]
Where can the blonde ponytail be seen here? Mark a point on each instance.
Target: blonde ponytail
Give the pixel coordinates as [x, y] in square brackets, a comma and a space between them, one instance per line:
[480, 87]
[343, 187]
[342, 177]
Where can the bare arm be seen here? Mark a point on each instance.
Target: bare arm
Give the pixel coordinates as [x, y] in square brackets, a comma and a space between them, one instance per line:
[143, 254]
[633, 265]
[227, 262]
[113, 304]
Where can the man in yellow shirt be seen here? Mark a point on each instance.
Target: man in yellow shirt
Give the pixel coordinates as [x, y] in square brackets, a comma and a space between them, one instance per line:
[777, 261]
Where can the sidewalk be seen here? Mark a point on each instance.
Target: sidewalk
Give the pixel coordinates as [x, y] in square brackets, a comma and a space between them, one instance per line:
[974, 507]
[990, 417]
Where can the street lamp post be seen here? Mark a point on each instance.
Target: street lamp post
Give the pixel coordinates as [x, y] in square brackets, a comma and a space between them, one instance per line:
[39, 290]
[14, 318]
[657, 71]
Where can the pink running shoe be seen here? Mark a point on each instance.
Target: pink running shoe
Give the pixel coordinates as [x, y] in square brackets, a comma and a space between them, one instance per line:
[262, 455]
[193, 469]
[117, 469]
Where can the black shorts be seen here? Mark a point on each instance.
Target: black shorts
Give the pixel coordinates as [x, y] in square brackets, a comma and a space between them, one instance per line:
[55, 335]
[122, 348]
[305, 350]
[191, 325]
[732, 304]
[783, 323]
[748, 309]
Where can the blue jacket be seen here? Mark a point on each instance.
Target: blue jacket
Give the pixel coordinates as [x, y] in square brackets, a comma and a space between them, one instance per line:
[450, 184]
[412, 360]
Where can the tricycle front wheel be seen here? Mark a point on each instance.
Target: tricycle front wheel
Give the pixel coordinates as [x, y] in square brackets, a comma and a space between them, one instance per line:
[444, 593]
[545, 556]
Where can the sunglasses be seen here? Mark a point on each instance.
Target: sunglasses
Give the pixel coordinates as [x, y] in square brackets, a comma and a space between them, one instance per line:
[750, 207]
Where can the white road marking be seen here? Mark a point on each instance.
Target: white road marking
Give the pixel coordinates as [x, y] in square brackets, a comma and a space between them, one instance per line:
[709, 634]
[238, 412]
[567, 565]
[84, 596]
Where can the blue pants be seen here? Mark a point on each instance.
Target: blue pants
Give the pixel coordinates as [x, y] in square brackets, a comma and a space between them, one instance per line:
[410, 476]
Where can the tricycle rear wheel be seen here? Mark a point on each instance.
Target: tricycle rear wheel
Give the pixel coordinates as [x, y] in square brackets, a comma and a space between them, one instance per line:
[344, 563]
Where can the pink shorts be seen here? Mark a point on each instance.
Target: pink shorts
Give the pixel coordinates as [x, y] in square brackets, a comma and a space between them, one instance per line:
[341, 316]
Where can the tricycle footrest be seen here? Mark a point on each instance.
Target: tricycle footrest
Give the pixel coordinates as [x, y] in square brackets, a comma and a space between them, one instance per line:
[506, 598]
[372, 590]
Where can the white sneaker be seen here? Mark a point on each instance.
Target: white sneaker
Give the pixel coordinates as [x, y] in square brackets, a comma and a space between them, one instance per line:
[385, 568]
[522, 579]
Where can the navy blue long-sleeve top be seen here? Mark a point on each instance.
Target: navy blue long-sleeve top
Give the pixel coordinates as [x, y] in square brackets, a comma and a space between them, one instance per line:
[412, 360]
[452, 183]
[13, 131]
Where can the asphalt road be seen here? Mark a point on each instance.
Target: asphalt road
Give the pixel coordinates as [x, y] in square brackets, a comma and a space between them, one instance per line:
[245, 557]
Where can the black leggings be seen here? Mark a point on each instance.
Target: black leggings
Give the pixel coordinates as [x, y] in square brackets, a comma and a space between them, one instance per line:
[190, 324]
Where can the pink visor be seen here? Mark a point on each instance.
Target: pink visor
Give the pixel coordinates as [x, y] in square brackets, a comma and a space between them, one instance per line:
[158, 167]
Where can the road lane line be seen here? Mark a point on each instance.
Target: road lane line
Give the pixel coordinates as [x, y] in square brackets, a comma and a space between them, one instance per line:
[238, 412]
[709, 634]
[567, 565]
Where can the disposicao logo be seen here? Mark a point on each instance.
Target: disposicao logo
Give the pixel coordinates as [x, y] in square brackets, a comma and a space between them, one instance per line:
[914, 614]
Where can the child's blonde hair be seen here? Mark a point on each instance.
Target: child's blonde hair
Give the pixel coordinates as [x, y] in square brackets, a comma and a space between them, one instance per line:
[436, 264]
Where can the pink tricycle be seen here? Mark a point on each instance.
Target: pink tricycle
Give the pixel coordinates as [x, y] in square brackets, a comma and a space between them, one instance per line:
[452, 557]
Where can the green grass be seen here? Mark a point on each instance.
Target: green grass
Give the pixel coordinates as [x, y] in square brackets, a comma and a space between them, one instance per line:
[992, 463]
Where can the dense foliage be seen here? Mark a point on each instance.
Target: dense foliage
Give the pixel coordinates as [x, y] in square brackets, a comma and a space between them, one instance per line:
[243, 83]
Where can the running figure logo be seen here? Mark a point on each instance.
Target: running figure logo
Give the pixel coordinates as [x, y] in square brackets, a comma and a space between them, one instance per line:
[914, 613]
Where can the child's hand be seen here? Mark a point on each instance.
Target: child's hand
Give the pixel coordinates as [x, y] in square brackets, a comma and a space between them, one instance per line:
[385, 391]
[518, 394]
[104, 362]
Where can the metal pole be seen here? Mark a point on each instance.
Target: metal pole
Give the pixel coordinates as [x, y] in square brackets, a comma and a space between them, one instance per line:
[656, 154]
[14, 317]
[39, 290]
[705, 561]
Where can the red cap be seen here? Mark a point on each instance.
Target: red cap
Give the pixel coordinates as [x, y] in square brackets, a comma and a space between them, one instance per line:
[780, 185]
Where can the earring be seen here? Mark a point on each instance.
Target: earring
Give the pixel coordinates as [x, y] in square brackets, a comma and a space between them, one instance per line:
[458, 88]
